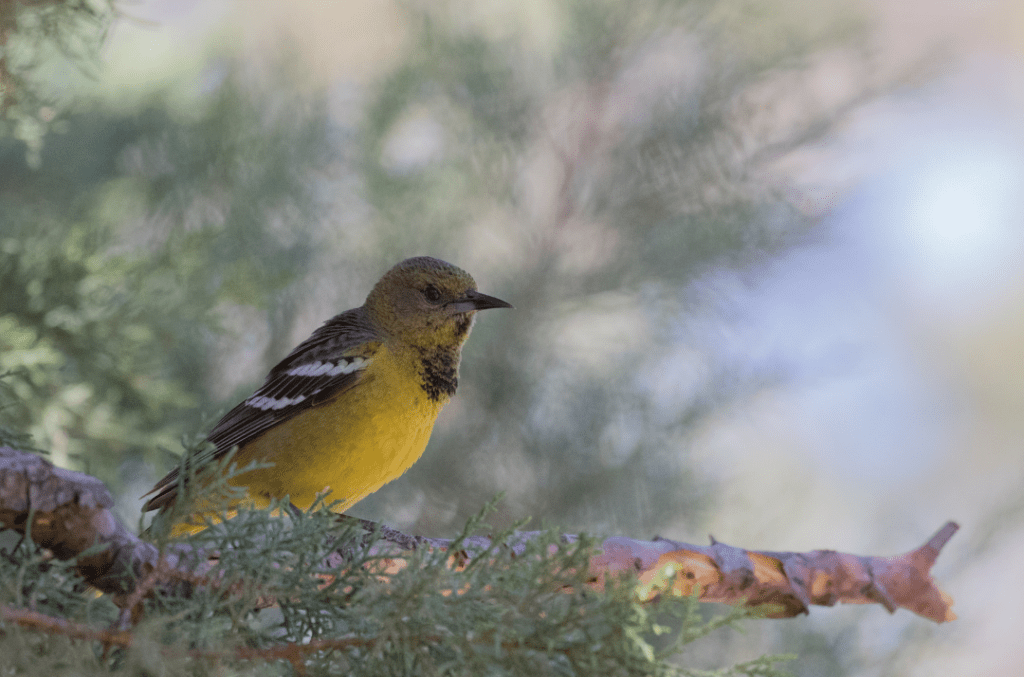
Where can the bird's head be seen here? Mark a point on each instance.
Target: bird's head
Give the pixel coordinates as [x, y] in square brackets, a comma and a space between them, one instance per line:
[427, 303]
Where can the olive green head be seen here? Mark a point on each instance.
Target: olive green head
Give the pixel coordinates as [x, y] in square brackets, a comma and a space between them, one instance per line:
[427, 303]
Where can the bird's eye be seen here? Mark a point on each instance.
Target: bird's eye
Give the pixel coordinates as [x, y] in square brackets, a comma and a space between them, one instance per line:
[432, 294]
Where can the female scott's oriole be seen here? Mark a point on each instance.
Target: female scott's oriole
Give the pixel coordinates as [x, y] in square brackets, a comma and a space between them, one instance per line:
[352, 407]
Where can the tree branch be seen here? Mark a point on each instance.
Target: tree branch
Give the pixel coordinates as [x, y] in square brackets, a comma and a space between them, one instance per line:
[67, 512]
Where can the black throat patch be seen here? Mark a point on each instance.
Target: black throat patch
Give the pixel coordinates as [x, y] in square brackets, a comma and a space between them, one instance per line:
[440, 373]
[463, 325]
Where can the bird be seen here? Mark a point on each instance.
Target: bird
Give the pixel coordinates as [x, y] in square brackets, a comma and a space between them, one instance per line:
[353, 406]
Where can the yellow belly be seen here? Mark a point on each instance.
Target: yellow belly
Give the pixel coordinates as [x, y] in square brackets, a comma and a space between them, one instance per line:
[346, 448]
[351, 446]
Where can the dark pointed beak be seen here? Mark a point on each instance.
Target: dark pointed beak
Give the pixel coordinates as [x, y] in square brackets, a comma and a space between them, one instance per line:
[474, 300]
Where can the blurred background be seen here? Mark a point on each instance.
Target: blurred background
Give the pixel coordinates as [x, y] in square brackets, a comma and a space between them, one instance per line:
[767, 260]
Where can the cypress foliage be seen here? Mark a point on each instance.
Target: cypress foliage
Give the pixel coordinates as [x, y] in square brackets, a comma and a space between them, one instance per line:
[503, 614]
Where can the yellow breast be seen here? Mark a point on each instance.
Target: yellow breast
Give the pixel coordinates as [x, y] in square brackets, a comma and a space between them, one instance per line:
[352, 445]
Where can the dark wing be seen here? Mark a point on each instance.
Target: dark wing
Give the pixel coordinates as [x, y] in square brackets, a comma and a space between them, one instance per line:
[322, 367]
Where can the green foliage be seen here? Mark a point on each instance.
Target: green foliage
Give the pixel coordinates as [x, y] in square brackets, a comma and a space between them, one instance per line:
[36, 39]
[531, 613]
[116, 251]
[11, 435]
